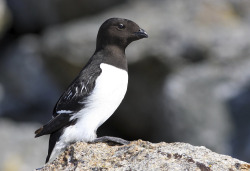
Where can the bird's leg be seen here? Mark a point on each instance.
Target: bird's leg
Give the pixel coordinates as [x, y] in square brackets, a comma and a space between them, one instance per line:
[111, 139]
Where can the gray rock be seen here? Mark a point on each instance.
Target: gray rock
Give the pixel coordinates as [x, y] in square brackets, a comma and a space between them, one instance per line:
[141, 155]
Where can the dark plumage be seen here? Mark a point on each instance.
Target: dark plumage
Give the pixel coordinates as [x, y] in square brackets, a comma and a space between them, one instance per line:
[96, 92]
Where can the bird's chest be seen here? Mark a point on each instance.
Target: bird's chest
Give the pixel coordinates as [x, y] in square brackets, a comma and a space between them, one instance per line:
[110, 88]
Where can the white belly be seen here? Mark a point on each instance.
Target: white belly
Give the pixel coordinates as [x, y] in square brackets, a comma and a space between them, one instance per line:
[110, 89]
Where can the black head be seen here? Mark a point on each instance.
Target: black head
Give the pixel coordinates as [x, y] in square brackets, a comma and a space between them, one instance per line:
[119, 32]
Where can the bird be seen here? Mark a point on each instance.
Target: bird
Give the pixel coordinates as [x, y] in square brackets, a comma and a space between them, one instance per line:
[96, 92]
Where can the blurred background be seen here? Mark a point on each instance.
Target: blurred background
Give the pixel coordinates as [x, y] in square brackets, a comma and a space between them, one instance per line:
[188, 82]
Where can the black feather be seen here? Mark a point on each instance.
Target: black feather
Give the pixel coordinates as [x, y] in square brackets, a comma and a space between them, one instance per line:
[74, 98]
[53, 125]
[54, 137]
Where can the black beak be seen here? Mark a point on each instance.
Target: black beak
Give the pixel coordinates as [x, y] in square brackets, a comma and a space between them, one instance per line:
[141, 34]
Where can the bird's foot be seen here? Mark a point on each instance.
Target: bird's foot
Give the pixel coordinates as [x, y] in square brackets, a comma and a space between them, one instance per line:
[39, 168]
[111, 139]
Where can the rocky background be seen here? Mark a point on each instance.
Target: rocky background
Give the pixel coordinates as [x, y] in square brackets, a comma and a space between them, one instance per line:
[188, 82]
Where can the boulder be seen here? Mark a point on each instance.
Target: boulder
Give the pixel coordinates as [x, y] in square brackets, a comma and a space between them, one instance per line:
[142, 155]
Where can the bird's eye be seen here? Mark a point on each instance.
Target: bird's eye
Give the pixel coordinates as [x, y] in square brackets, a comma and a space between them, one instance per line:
[121, 26]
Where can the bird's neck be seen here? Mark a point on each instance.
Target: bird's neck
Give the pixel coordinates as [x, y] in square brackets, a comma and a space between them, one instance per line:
[111, 49]
[113, 55]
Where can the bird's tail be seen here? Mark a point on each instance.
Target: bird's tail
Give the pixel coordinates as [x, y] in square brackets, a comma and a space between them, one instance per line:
[55, 124]
[53, 139]
[38, 132]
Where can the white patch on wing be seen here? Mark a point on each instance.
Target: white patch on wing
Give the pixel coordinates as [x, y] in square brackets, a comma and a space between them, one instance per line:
[109, 91]
[64, 111]
[69, 94]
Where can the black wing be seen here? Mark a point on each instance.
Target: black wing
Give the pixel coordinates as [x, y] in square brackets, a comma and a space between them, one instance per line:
[72, 100]
[54, 125]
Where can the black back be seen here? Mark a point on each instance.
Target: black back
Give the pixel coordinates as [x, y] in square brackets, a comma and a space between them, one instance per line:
[74, 98]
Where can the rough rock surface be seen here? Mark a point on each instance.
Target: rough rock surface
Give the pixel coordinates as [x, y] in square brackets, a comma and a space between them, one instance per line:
[142, 155]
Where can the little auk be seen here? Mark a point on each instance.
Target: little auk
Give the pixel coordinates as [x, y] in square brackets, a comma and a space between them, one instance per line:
[96, 92]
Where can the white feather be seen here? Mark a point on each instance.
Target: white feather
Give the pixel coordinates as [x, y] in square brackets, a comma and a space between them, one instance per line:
[64, 111]
[110, 89]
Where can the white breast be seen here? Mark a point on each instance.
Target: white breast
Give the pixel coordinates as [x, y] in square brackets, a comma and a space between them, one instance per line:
[110, 89]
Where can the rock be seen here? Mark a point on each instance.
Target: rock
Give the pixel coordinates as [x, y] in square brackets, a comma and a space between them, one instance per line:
[142, 155]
